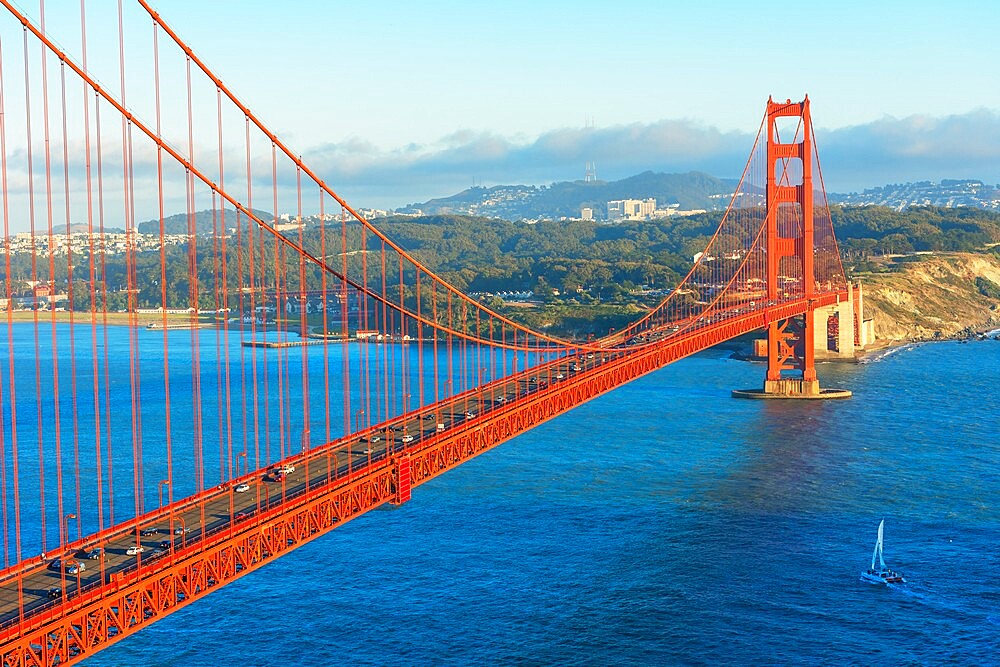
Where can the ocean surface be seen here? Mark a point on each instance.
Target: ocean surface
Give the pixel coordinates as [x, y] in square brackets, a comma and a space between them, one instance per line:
[664, 523]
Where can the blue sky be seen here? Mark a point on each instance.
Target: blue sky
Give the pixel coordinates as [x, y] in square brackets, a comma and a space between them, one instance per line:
[394, 102]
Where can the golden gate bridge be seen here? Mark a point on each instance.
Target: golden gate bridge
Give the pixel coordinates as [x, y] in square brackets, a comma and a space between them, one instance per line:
[174, 416]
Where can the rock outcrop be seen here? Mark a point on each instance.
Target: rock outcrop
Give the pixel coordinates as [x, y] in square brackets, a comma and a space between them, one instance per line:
[932, 297]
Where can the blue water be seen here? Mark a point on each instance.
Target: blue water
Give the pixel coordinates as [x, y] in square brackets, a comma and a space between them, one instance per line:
[54, 430]
[664, 523]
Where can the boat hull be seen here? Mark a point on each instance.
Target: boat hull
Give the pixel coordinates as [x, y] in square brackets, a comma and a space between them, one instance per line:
[876, 577]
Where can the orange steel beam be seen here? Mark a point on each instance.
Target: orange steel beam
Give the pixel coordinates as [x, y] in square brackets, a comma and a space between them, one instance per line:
[781, 194]
[81, 626]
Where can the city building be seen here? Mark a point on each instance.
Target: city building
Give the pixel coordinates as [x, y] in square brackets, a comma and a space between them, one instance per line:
[631, 209]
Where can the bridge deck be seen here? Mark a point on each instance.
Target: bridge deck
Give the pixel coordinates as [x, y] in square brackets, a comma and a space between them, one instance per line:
[337, 480]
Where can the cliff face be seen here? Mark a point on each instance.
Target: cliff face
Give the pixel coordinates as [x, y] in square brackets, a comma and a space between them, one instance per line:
[934, 297]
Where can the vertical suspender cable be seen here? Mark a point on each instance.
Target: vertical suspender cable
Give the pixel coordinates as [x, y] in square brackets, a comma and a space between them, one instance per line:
[71, 308]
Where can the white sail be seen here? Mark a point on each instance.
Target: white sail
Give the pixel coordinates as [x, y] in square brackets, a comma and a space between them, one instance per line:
[878, 547]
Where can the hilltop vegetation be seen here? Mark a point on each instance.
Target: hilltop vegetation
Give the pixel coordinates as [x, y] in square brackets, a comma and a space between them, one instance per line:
[865, 232]
[204, 222]
[489, 255]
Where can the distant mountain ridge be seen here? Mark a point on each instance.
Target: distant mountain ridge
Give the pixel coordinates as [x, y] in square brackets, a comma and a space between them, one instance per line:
[693, 190]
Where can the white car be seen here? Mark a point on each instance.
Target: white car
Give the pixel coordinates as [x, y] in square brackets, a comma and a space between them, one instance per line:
[134, 551]
[242, 488]
[407, 438]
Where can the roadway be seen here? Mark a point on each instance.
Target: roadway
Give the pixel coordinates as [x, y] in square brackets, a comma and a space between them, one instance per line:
[188, 523]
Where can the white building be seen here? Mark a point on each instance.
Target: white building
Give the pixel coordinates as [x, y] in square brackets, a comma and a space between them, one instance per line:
[631, 209]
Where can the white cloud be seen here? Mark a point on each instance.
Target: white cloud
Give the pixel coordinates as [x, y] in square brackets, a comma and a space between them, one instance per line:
[915, 148]
[888, 150]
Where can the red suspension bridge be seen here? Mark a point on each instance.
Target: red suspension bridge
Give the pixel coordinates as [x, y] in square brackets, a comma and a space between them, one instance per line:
[187, 398]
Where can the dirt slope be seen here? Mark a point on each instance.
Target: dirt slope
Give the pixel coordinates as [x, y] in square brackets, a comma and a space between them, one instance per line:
[933, 297]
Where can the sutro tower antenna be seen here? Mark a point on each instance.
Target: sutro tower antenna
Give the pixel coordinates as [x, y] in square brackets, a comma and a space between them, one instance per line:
[590, 171]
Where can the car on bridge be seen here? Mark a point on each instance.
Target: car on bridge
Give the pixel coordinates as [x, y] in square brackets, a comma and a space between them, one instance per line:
[406, 438]
[242, 488]
[148, 532]
[134, 550]
[274, 476]
[54, 593]
[166, 544]
[180, 530]
[75, 566]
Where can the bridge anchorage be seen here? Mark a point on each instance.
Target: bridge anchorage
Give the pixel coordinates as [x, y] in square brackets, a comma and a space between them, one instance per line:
[799, 233]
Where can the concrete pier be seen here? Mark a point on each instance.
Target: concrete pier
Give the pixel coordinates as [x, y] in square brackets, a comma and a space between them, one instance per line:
[792, 389]
[837, 332]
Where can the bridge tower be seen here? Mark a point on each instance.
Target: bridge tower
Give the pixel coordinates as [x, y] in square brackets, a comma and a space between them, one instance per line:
[791, 342]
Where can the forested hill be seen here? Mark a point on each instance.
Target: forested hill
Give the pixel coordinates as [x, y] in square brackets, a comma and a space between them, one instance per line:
[693, 190]
[489, 255]
[205, 222]
[868, 231]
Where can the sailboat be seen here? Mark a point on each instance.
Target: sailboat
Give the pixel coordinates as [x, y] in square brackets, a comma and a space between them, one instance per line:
[881, 574]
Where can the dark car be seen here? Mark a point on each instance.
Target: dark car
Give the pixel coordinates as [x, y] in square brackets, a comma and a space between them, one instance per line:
[56, 564]
[55, 593]
[165, 544]
[92, 554]
[148, 532]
